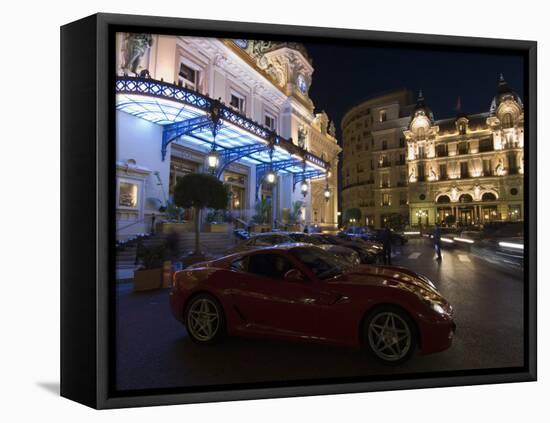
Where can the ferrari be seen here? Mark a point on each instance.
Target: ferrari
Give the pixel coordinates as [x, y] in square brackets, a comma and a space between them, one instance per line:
[299, 292]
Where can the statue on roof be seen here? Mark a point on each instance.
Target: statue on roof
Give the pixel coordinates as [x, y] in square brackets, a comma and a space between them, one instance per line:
[135, 47]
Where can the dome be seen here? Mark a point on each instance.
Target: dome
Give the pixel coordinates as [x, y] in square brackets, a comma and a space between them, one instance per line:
[421, 108]
[504, 92]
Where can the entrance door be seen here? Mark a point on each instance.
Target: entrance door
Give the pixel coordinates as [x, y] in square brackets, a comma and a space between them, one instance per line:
[465, 216]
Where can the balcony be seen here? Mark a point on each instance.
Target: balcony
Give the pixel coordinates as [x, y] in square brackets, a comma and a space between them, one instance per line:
[442, 153]
[384, 164]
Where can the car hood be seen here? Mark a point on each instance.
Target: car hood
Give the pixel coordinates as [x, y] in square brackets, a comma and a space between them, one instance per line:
[390, 277]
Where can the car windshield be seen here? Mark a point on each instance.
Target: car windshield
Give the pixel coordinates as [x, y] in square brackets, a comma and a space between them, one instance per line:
[324, 265]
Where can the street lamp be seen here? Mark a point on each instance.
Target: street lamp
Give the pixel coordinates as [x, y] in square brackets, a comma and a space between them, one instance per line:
[327, 193]
[270, 177]
[304, 188]
[213, 159]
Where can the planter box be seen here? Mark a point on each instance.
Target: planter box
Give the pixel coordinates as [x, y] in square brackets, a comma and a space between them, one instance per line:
[260, 228]
[294, 228]
[217, 227]
[145, 280]
[166, 227]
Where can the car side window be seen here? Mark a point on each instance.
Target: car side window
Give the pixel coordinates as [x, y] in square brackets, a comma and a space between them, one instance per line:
[271, 265]
[239, 265]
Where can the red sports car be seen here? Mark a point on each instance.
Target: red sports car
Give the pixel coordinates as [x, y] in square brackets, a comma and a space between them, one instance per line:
[300, 292]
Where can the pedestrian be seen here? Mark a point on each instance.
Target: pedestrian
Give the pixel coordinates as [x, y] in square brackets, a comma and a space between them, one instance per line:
[386, 244]
[437, 241]
[306, 229]
[153, 218]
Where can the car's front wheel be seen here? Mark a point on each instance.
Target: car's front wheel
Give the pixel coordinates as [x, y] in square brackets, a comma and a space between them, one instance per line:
[204, 319]
[389, 335]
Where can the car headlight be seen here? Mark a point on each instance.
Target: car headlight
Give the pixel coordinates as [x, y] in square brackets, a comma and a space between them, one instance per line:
[438, 309]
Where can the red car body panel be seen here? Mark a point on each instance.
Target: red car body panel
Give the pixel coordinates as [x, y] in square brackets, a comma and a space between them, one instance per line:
[329, 311]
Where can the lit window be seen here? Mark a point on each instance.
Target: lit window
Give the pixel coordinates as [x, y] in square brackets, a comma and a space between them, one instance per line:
[421, 133]
[507, 121]
[188, 76]
[237, 102]
[128, 195]
[383, 116]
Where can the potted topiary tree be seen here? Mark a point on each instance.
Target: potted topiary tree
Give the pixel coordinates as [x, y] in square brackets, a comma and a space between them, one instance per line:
[200, 191]
[260, 219]
[295, 215]
[150, 271]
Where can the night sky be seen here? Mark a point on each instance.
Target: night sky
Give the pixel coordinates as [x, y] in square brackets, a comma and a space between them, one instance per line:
[347, 75]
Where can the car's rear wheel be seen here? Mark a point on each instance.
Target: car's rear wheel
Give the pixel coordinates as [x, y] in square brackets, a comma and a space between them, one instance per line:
[204, 319]
[389, 335]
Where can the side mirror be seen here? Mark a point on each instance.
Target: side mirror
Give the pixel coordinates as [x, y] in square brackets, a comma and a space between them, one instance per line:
[294, 275]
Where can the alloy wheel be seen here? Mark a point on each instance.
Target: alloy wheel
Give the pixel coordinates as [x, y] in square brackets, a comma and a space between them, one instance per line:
[203, 319]
[389, 336]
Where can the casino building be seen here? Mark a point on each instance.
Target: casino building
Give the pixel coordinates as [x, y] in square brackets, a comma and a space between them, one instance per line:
[237, 108]
[401, 165]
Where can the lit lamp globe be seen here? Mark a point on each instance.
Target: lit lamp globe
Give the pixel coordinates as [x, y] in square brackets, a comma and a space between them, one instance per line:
[270, 177]
[327, 193]
[304, 187]
[213, 159]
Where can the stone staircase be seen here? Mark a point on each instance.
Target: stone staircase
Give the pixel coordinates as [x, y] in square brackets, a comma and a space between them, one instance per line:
[212, 243]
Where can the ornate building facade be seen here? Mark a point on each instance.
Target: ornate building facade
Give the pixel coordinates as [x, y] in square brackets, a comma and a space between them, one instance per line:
[167, 87]
[466, 169]
[374, 168]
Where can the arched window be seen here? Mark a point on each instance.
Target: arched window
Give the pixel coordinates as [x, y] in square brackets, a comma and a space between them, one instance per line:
[443, 199]
[465, 198]
[421, 133]
[488, 196]
[507, 121]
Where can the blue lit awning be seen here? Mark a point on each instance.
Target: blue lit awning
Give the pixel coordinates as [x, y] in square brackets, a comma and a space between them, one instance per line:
[187, 115]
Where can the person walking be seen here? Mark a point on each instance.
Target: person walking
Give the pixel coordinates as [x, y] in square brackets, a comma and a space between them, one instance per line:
[437, 241]
[386, 244]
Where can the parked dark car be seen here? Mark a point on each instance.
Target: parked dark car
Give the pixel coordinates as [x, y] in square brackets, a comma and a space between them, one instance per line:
[375, 235]
[369, 251]
[302, 293]
[268, 239]
[347, 254]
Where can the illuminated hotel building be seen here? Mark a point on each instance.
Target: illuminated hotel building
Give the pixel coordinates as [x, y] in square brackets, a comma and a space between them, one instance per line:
[179, 99]
[467, 169]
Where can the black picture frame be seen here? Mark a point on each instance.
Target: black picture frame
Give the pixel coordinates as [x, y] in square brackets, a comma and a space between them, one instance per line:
[87, 175]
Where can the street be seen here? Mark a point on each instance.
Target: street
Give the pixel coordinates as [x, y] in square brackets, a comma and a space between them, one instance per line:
[153, 350]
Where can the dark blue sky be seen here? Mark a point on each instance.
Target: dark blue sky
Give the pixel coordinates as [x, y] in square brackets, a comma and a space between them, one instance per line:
[347, 75]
